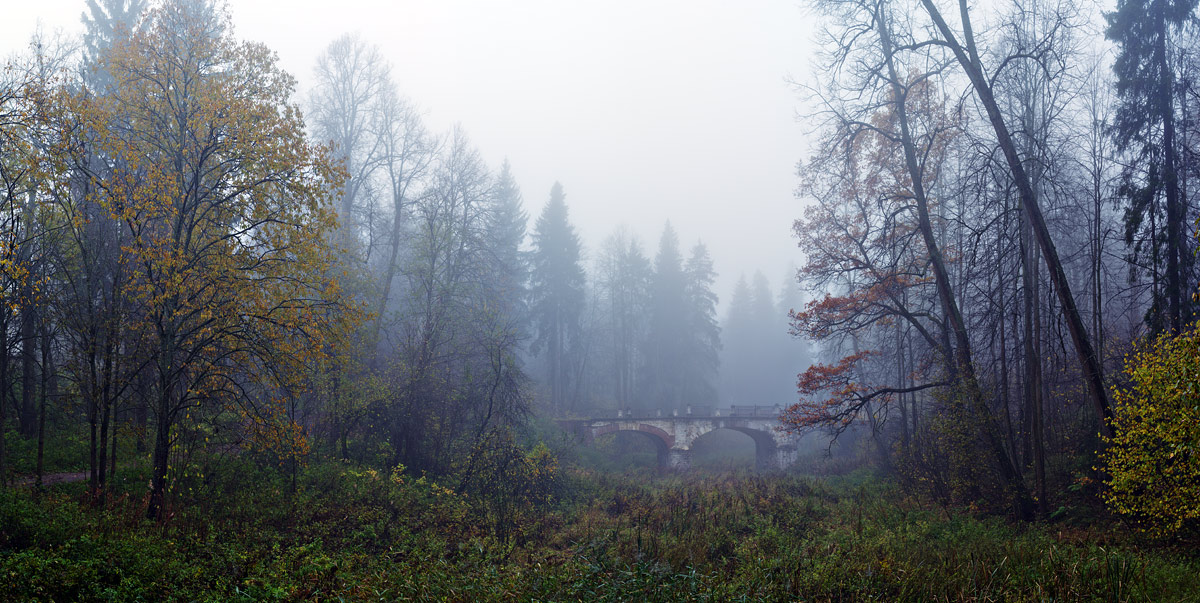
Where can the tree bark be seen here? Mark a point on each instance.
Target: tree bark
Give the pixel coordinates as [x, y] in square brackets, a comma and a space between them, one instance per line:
[162, 448]
[28, 411]
[163, 419]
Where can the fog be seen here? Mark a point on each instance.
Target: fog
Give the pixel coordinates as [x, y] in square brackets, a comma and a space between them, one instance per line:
[645, 111]
[476, 300]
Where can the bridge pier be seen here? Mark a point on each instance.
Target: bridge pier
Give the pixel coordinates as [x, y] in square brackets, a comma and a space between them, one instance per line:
[775, 458]
[678, 459]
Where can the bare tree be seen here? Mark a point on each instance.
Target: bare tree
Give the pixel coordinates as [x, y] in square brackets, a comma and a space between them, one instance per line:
[966, 53]
[353, 88]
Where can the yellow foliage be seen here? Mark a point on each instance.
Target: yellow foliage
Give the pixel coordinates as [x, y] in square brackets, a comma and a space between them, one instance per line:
[228, 206]
[1154, 457]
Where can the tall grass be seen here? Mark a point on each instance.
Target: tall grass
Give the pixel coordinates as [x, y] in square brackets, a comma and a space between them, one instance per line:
[352, 533]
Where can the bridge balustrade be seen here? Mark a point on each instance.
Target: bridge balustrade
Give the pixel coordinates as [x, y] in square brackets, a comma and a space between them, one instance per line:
[754, 411]
[736, 410]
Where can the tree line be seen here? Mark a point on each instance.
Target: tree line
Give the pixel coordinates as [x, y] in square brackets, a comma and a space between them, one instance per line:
[1004, 209]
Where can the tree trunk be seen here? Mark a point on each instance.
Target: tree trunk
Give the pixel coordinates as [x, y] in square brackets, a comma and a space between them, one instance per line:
[1002, 378]
[1097, 247]
[162, 448]
[1165, 105]
[3, 392]
[971, 65]
[141, 419]
[93, 412]
[900, 382]
[112, 455]
[163, 420]
[555, 360]
[1033, 364]
[28, 411]
[43, 394]
[393, 257]
[962, 366]
[107, 406]
[102, 452]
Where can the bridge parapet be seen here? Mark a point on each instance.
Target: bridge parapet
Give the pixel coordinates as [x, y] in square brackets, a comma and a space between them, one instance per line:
[690, 411]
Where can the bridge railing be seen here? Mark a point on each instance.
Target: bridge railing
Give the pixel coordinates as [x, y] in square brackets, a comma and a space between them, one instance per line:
[754, 411]
[736, 410]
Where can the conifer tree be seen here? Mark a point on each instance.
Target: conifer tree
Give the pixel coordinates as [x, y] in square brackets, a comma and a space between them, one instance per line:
[505, 223]
[666, 349]
[1145, 126]
[738, 340]
[704, 332]
[624, 279]
[557, 293]
[106, 22]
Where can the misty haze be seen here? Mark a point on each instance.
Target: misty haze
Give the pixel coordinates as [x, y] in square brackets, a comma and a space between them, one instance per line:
[456, 300]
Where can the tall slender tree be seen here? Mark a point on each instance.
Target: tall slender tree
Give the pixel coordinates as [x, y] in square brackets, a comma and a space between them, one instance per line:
[226, 203]
[348, 104]
[702, 361]
[666, 346]
[506, 223]
[557, 284]
[624, 274]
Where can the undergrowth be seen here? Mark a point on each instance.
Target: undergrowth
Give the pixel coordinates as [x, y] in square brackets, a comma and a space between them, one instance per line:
[353, 533]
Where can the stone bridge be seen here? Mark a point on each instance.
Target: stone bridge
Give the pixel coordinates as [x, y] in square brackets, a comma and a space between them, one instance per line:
[674, 432]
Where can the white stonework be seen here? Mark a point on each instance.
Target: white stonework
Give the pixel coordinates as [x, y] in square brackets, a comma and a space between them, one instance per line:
[674, 435]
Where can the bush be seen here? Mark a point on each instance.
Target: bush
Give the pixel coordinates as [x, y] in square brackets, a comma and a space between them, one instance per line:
[509, 485]
[1152, 459]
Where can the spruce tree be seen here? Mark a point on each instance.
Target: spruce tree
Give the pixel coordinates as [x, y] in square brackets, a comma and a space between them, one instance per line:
[738, 337]
[666, 347]
[624, 278]
[704, 332]
[106, 22]
[1145, 127]
[557, 293]
[505, 223]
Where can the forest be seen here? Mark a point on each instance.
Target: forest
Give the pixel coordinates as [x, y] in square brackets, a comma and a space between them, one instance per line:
[273, 336]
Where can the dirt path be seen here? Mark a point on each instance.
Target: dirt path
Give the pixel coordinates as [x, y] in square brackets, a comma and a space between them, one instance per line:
[50, 479]
[64, 477]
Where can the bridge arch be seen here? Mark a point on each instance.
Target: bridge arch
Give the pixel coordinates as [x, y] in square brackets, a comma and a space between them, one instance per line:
[766, 449]
[658, 437]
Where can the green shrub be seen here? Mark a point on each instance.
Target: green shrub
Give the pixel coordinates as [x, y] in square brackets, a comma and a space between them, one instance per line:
[1153, 459]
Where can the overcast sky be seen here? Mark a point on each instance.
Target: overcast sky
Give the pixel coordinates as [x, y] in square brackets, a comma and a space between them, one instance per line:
[645, 110]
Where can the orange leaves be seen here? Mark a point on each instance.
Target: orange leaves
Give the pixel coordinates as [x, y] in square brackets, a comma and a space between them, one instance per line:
[273, 431]
[830, 395]
[822, 317]
[874, 303]
[863, 242]
[836, 378]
